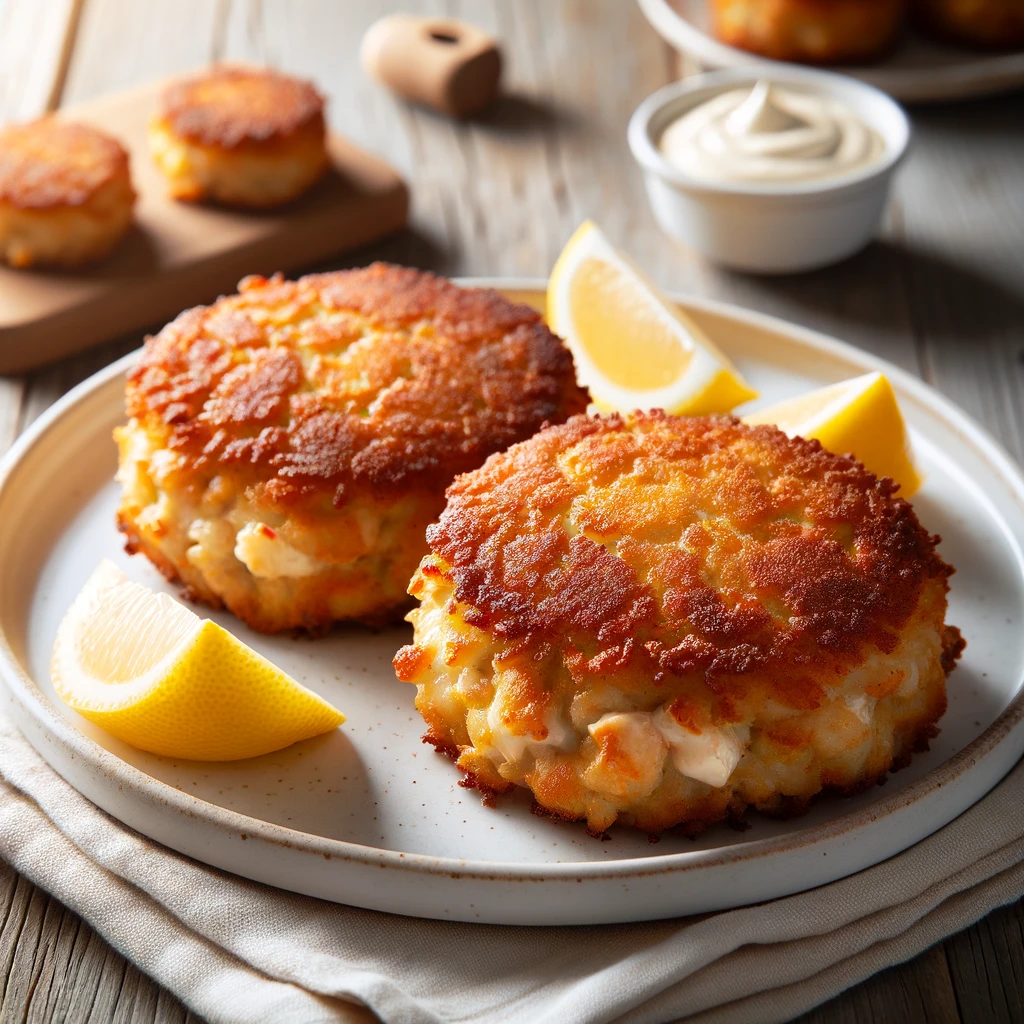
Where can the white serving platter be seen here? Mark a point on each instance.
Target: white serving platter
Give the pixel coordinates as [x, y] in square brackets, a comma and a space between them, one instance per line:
[370, 816]
[919, 70]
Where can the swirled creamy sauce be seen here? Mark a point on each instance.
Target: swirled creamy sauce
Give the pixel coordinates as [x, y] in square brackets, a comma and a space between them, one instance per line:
[770, 135]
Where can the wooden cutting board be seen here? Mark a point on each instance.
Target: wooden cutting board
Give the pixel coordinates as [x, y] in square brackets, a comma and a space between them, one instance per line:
[181, 254]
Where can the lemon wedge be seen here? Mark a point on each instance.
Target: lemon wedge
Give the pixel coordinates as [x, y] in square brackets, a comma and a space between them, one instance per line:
[859, 416]
[157, 676]
[634, 349]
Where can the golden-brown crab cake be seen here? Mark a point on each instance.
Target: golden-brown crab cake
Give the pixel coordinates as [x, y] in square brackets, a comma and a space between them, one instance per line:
[664, 620]
[287, 446]
[66, 193]
[990, 24]
[810, 31]
[240, 136]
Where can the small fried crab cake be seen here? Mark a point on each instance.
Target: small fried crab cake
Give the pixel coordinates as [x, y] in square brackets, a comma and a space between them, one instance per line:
[240, 136]
[662, 621]
[988, 24]
[810, 31]
[287, 446]
[66, 193]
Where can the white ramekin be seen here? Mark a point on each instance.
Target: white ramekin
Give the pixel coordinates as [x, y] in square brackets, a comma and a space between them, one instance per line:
[775, 228]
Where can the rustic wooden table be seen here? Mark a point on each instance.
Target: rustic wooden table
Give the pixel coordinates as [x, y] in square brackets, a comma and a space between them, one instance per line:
[941, 294]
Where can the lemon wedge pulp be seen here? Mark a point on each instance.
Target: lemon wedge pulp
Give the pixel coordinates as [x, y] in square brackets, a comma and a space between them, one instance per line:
[859, 416]
[633, 348]
[159, 677]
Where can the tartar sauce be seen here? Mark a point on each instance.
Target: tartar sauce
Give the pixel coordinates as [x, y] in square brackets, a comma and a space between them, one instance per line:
[770, 134]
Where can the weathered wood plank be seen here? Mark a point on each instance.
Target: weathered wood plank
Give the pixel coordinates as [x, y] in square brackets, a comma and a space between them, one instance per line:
[11, 392]
[917, 991]
[962, 195]
[36, 40]
[44, 386]
[15, 894]
[121, 42]
[587, 167]
[54, 967]
[986, 964]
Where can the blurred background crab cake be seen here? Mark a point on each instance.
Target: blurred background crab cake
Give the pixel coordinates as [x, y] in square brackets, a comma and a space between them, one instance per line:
[664, 620]
[66, 194]
[287, 446]
[993, 24]
[240, 136]
[815, 31]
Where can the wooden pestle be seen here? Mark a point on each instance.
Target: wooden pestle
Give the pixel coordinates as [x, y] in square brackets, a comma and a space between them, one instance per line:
[443, 63]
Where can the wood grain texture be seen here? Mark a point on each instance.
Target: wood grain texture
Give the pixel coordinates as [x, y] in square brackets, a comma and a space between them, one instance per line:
[986, 965]
[941, 293]
[36, 41]
[56, 968]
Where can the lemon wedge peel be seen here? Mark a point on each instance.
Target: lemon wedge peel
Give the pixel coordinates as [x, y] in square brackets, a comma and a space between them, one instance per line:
[860, 416]
[633, 348]
[157, 676]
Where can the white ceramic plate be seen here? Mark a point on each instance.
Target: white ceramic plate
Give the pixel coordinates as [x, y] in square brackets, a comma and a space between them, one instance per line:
[918, 71]
[370, 816]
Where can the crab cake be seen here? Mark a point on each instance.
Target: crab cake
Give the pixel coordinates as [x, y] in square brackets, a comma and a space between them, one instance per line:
[287, 446]
[992, 24]
[240, 136]
[811, 31]
[664, 621]
[66, 193]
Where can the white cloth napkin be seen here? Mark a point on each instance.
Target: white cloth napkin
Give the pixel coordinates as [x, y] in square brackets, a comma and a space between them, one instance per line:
[234, 950]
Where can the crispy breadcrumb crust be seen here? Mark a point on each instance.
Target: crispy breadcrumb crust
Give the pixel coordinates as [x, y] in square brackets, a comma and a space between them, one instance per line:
[50, 163]
[244, 137]
[377, 377]
[813, 31]
[231, 106]
[736, 577]
[784, 520]
[335, 408]
[66, 195]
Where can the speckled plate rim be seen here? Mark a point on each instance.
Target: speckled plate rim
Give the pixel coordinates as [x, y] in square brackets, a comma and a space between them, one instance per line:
[61, 744]
[979, 74]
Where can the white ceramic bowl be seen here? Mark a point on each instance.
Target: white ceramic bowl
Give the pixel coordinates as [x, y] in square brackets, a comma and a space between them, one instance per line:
[771, 228]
